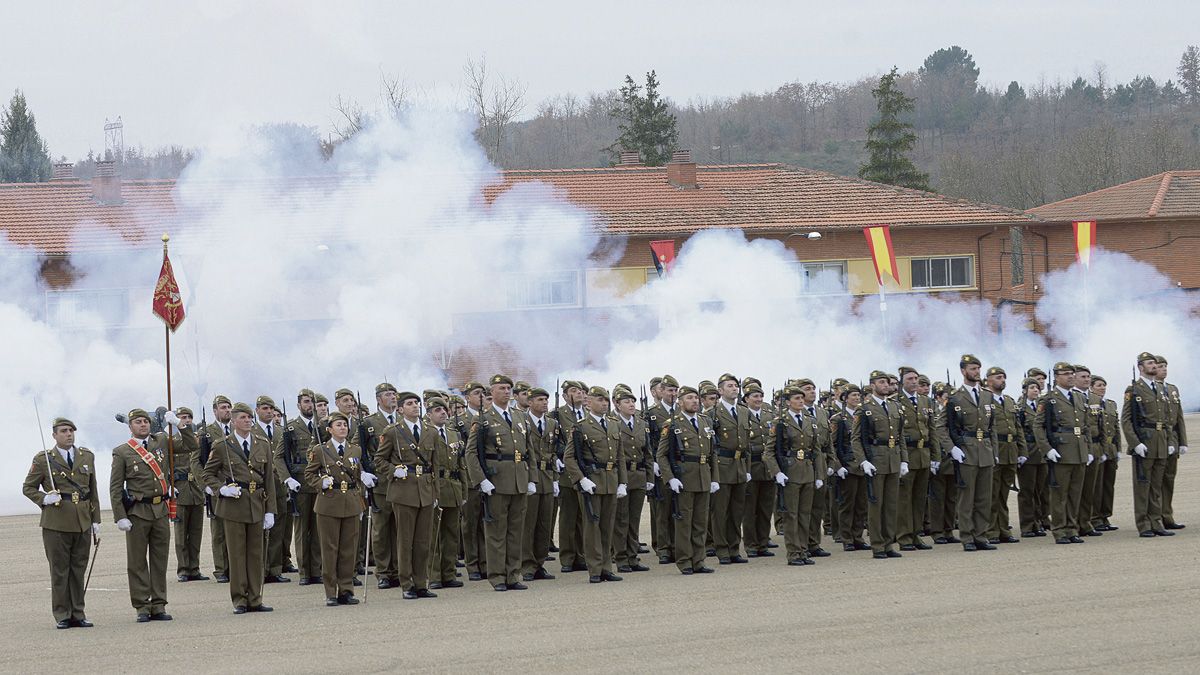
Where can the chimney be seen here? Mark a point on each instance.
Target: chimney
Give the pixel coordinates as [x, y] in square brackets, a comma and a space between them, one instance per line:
[681, 170]
[106, 184]
[630, 158]
[63, 171]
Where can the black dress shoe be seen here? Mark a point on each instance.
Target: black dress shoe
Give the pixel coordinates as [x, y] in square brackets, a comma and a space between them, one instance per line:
[143, 618]
[686, 571]
[304, 581]
[771, 544]
[1063, 540]
[553, 548]
[1040, 533]
[161, 616]
[541, 573]
[796, 562]
[276, 579]
[710, 552]
[331, 602]
[941, 540]
[356, 581]
[907, 547]
[475, 576]
[425, 593]
[1092, 533]
[861, 546]
[453, 583]
[222, 578]
[1174, 526]
[566, 569]
[638, 567]
[1164, 533]
[1075, 540]
[500, 587]
[81, 623]
[435, 585]
[1149, 534]
[594, 579]
[182, 578]
[894, 554]
[266, 608]
[703, 569]
[984, 546]
[1029, 534]
[879, 556]
[1009, 539]
[383, 584]
[518, 586]
[65, 623]
[664, 560]
[737, 560]
[290, 569]
[609, 576]
[236, 610]
[579, 566]
[847, 547]
[969, 546]
[993, 540]
[808, 561]
[624, 569]
[751, 554]
[723, 561]
[527, 576]
[642, 548]
[410, 595]
[766, 554]
[347, 599]
[197, 577]
[953, 540]
[922, 546]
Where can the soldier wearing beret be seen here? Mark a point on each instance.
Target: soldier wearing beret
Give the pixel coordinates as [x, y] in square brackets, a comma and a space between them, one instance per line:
[968, 430]
[304, 431]
[139, 486]
[852, 509]
[520, 399]
[943, 501]
[637, 453]
[595, 467]
[570, 518]
[918, 426]
[498, 463]
[1146, 418]
[214, 433]
[474, 541]
[1110, 450]
[383, 523]
[334, 472]
[1010, 446]
[818, 418]
[1033, 501]
[449, 458]
[685, 456]
[542, 441]
[732, 447]
[277, 540]
[760, 495]
[1093, 436]
[406, 454]
[657, 416]
[1176, 449]
[62, 482]
[879, 452]
[240, 473]
[189, 499]
[1059, 429]
[1038, 375]
[791, 459]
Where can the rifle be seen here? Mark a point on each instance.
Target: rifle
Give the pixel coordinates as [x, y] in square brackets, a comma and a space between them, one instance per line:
[675, 457]
[951, 428]
[784, 461]
[1051, 479]
[289, 447]
[577, 445]
[1138, 461]
[656, 491]
[205, 452]
[481, 452]
[368, 459]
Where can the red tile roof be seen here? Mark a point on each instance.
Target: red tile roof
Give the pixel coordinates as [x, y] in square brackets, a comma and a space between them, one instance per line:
[58, 217]
[1171, 194]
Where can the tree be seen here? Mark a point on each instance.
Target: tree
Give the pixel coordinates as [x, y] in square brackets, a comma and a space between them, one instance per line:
[1189, 74]
[949, 80]
[496, 101]
[645, 122]
[889, 138]
[24, 157]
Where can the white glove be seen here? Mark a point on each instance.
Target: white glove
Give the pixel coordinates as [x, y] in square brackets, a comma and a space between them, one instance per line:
[1103, 458]
[124, 525]
[657, 472]
[171, 418]
[867, 468]
[997, 458]
[531, 488]
[326, 482]
[1021, 459]
[292, 484]
[781, 478]
[1090, 459]
[675, 484]
[903, 469]
[622, 491]
[486, 487]
[51, 499]
[1053, 455]
[558, 463]
[401, 472]
[747, 476]
[1170, 450]
[233, 491]
[829, 471]
[587, 485]
[96, 530]
[368, 479]
[649, 487]
[555, 486]
[934, 466]
[1140, 449]
[713, 487]
[207, 490]
[957, 454]
[1182, 450]
[268, 521]
[819, 484]
[841, 473]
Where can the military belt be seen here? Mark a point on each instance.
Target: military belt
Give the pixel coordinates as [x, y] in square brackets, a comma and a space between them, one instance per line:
[1006, 438]
[499, 458]
[446, 473]
[183, 475]
[418, 469]
[1074, 431]
[916, 444]
[252, 486]
[606, 466]
[158, 499]
[635, 466]
[545, 465]
[701, 459]
[889, 443]
[76, 497]
[729, 454]
[1158, 426]
[756, 455]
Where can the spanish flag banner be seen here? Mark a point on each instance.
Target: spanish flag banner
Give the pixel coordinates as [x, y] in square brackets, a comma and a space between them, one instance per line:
[1085, 239]
[879, 239]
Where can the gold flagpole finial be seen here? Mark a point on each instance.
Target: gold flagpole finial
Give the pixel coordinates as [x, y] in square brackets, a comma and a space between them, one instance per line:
[165, 238]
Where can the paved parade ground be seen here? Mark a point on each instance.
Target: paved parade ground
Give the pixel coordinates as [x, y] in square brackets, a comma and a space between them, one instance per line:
[1116, 603]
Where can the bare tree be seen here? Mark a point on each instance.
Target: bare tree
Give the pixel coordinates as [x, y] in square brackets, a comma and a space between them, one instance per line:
[495, 100]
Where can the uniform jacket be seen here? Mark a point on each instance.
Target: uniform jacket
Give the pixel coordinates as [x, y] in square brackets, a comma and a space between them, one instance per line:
[133, 477]
[302, 441]
[189, 487]
[732, 443]
[344, 498]
[1010, 435]
[877, 436]
[1027, 416]
[636, 453]
[842, 427]
[505, 451]
[1178, 430]
[1146, 418]
[256, 477]
[1110, 421]
[594, 452]
[819, 417]
[686, 452]
[397, 446]
[1094, 407]
[970, 427]
[792, 448]
[759, 427]
[542, 452]
[1061, 424]
[80, 505]
[918, 431]
[449, 458]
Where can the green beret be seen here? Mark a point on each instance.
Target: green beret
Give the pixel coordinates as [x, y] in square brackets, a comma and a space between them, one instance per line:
[1080, 368]
[841, 382]
[431, 394]
[537, 392]
[706, 383]
[221, 398]
[996, 370]
[598, 392]
[320, 398]
[684, 390]
[436, 402]
[904, 370]
[407, 395]
[709, 389]
[669, 381]
[471, 386]
[751, 388]
[1063, 367]
[458, 400]
[243, 408]
[747, 381]
[922, 379]
[804, 381]
[305, 392]
[384, 387]
[184, 410]
[848, 389]
[520, 386]
[877, 375]
[337, 415]
[136, 413]
[62, 422]
[655, 381]
[1097, 378]
[1030, 381]
[1034, 372]
[1161, 359]
[622, 394]
[500, 379]
[790, 391]
[264, 400]
[969, 360]
[1146, 356]
[726, 377]
[342, 392]
[941, 388]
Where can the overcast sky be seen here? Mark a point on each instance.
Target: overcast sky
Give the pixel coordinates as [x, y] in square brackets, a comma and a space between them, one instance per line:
[184, 73]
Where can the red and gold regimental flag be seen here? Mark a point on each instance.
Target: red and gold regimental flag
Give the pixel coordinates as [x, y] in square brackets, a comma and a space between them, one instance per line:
[168, 304]
[879, 239]
[664, 255]
[1085, 240]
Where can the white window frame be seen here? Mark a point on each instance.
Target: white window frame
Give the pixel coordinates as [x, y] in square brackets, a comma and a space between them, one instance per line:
[804, 269]
[949, 261]
[534, 291]
[90, 301]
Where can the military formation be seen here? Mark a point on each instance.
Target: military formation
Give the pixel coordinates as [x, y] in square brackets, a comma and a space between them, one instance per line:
[485, 479]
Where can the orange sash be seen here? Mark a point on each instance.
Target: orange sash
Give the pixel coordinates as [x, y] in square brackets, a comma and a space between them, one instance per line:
[150, 462]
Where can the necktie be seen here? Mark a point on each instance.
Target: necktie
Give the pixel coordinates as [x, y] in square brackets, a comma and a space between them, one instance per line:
[733, 413]
[975, 393]
[1154, 388]
[812, 413]
[270, 434]
[757, 417]
[578, 415]
[885, 410]
[70, 463]
[391, 418]
[246, 449]
[799, 421]
[417, 433]
[1070, 397]
[310, 428]
[603, 425]
[341, 450]
[539, 426]
[695, 425]
[913, 399]
[442, 433]
[146, 444]
[630, 424]
[507, 419]
[226, 429]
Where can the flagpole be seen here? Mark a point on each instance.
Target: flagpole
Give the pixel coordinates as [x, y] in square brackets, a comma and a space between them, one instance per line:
[172, 504]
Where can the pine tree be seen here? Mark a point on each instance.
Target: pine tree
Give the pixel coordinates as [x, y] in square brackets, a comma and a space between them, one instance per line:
[1189, 74]
[890, 138]
[646, 123]
[24, 157]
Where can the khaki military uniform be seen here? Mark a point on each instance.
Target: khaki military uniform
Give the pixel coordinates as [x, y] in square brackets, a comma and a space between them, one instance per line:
[792, 451]
[594, 452]
[570, 517]
[663, 532]
[539, 511]
[411, 497]
[732, 468]
[1093, 431]
[877, 437]
[139, 492]
[277, 540]
[339, 510]
[1033, 501]
[189, 505]
[450, 466]
[243, 516]
[638, 455]
[943, 501]
[1010, 444]
[1146, 417]
[383, 523]
[505, 455]
[67, 525]
[1178, 438]
[969, 426]
[918, 433]
[1110, 449]
[852, 509]
[215, 433]
[685, 451]
[760, 492]
[1061, 424]
[819, 420]
[308, 543]
[474, 542]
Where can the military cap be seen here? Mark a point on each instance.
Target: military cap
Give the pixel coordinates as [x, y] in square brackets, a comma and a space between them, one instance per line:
[240, 407]
[1161, 359]
[791, 391]
[405, 396]
[500, 379]
[841, 382]
[1030, 381]
[471, 386]
[567, 384]
[655, 381]
[685, 389]
[969, 359]
[1063, 367]
[535, 392]
[383, 387]
[803, 382]
[904, 370]
[940, 388]
[669, 381]
[337, 415]
[996, 370]
[1146, 356]
[431, 393]
[320, 398]
[1080, 368]
[458, 400]
[922, 379]
[136, 413]
[264, 400]
[849, 389]
[1097, 378]
[747, 381]
[706, 383]
[520, 386]
[598, 392]
[62, 422]
[727, 376]
[1034, 372]
[222, 398]
[184, 410]
[877, 375]
[622, 394]
[708, 389]
[436, 402]
[342, 392]
[751, 388]
[621, 386]
[305, 392]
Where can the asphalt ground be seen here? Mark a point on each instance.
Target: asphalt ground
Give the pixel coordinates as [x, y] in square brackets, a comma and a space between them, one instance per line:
[1117, 603]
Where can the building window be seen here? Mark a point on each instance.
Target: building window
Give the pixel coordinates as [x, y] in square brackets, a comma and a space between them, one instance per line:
[953, 272]
[551, 289]
[87, 308]
[823, 277]
[1016, 237]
